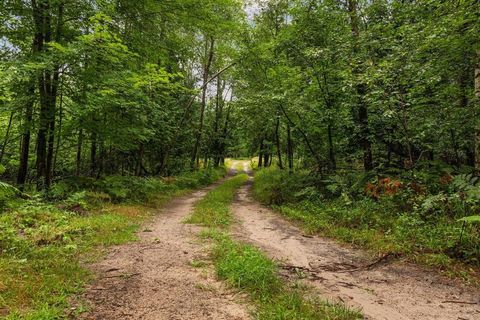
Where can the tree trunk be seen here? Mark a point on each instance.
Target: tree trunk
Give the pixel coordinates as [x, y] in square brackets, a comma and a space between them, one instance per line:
[141, 151]
[289, 148]
[7, 136]
[79, 153]
[361, 90]
[477, 115]
[93, 155]
[217, 143]
[266, 160]
[277, 141]
[206, 71]
[48, 85]
[40, 19]
[59, 135]
[260, 154]
[102, 157]
[26, 135]
[223, 142]
[331, 151]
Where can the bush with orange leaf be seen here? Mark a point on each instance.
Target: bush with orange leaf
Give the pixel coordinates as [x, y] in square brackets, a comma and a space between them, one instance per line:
[383, 187]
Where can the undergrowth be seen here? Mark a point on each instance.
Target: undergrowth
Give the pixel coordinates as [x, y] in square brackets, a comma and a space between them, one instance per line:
[44, 244]
[386, 217]
[248, 269]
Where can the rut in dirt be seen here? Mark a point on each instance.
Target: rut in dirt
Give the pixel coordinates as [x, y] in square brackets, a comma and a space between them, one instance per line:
[382, 291]
[153, 279]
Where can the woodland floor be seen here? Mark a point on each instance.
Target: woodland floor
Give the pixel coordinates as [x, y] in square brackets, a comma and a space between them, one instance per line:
[155, 278]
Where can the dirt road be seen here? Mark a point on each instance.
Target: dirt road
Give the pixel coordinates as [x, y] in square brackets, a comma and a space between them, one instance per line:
[154, 279]
[391, 291]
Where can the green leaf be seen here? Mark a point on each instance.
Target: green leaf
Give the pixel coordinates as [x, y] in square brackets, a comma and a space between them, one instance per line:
[470, 219]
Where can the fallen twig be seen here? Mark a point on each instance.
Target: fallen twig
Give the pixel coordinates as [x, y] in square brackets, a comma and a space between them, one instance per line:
[460, 302]
[373, 264]
[122, 275]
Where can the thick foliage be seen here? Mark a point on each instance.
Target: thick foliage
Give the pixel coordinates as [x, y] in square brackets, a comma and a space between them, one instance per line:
[427, 225]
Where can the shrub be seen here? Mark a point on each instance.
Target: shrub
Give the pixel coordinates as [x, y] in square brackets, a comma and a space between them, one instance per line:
[277, 186]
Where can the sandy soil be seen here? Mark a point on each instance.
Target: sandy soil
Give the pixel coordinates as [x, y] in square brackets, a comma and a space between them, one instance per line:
[153, 279]
[391, 290]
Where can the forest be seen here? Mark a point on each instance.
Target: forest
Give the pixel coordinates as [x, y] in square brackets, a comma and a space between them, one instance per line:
[356, 120]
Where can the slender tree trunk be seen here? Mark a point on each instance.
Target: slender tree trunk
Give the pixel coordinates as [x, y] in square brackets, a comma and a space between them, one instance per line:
[223, 142]
[53, 102]
[277, 141]
[7, 136]
[50, 150]
[260, 154]
[59, 135]
[289, 148]
[331, 151]
[102, 157]
[40, 17]
[93, 155]
[205, 160]
[219, 104]
[141, 152]
[26, 135]
[361, 90]
[206, 71]
[48, 86]
[266, 160]
[305, 138]
[477, 114]
[79, 153]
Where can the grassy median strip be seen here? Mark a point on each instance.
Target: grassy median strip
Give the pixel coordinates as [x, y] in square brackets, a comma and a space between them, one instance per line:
[213, 210]
[248, 269]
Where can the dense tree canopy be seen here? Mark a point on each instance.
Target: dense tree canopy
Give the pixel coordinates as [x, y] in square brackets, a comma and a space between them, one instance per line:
[153, 87]
[389, 84]
[105, 87]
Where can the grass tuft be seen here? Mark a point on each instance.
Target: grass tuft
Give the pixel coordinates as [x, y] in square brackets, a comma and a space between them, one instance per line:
[213, 210]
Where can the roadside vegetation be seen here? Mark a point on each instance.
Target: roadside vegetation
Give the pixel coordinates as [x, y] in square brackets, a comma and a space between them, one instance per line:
[432, 219]
[248, 269]
[45, 244]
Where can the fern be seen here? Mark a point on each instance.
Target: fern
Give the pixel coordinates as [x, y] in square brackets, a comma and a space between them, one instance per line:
[7, 188]
[464, 182]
